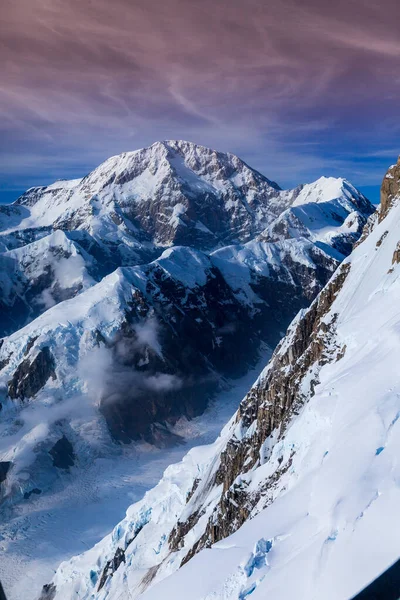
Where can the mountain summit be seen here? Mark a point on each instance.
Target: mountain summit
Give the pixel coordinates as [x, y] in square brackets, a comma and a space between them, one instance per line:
[134, 205]
[172, 192]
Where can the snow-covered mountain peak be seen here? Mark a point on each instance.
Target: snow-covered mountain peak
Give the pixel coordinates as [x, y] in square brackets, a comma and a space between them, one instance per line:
[196, 168]
[203, 161]
[326, 189]
[173, 192]
[330, 211]
[170, 193]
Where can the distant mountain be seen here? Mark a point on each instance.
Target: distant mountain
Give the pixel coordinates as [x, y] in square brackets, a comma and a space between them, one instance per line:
[299, 495]
[133, 206]
[171, 193]
[330, 212]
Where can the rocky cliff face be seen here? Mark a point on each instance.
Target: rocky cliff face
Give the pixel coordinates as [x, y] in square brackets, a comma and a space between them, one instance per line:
[297, 462]
[269, 406]
[390, 189]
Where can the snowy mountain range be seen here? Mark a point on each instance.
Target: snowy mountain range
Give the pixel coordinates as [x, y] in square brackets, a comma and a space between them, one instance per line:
[172, 193]
[135, 205]
[298, 497]
[129, 299]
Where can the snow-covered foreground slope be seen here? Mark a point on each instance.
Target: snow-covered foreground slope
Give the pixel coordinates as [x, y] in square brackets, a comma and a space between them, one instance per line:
[299, 496]
[80, 510]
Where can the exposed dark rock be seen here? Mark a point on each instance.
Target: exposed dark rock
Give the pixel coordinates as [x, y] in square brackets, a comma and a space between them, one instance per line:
[62, 454]
[368, 227]
[396, 255]
[48, 592]
[27, 495]
[194, 488]
[111, 566]
[176, 538]
[4, 468]
[31, 376]
[380, 241]
[4, 362]
[30, 344]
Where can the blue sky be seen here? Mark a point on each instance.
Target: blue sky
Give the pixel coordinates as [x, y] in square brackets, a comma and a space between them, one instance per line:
[298, 90]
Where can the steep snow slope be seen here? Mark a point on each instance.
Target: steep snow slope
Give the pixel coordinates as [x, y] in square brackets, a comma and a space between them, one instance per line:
[38, 275]
[330, 212]
[299, 496]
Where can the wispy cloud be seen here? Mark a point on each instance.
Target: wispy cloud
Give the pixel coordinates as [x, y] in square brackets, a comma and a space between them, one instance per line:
[292, 87]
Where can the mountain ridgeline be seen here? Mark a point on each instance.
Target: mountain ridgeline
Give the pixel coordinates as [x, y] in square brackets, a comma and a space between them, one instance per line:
[303, 475]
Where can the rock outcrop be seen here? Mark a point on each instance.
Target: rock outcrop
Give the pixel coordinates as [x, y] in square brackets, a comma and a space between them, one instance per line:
[390, 190]
[270, 404]
[31, 375]
[63, 454]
